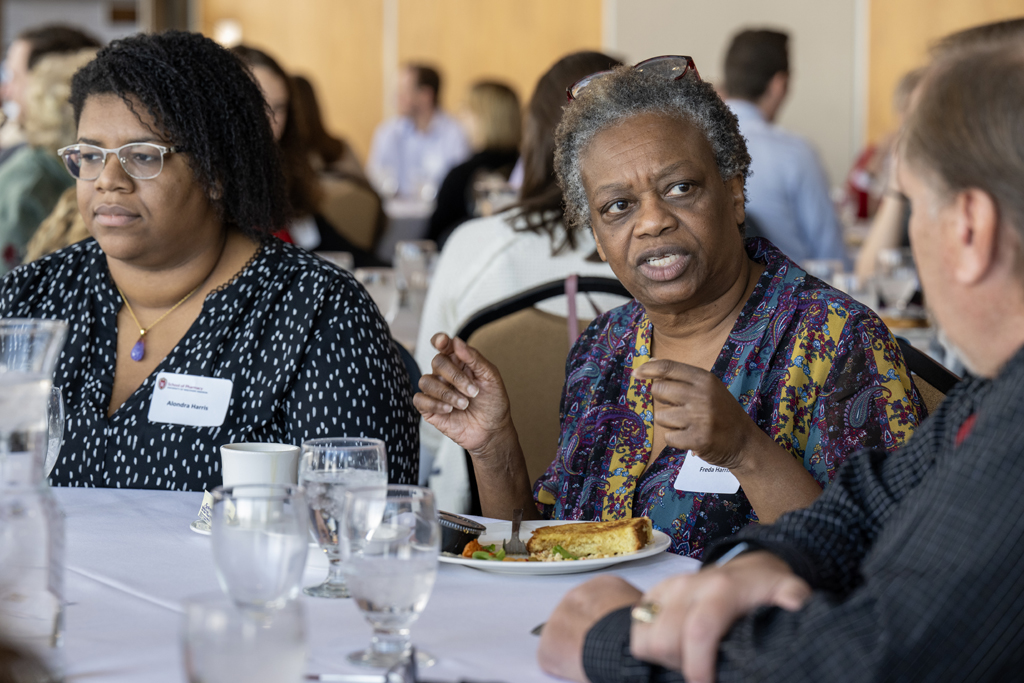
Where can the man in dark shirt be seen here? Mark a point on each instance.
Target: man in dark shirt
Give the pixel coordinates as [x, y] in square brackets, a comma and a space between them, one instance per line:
[908, 567]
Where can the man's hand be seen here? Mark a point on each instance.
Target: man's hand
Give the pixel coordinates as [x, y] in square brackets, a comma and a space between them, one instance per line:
[696, 610]
[561, 642]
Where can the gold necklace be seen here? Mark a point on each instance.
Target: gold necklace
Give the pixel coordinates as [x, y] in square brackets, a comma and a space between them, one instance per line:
[139, 350]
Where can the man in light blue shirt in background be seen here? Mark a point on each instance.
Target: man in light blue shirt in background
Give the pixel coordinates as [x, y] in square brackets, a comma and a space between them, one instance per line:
[412, 153]
[787, 193]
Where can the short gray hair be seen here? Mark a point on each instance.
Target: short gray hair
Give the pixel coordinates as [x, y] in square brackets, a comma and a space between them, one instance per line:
[625, 93]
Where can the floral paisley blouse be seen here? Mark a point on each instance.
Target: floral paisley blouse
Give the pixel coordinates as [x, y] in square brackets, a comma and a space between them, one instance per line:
[817, 371]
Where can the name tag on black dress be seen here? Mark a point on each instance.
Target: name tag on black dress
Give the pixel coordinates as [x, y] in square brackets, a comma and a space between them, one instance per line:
[190, 400]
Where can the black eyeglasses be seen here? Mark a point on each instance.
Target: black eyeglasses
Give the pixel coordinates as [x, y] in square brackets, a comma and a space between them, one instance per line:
[673, 67]
[140, 160]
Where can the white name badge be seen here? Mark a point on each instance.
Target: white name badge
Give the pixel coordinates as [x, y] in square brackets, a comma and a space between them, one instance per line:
[190, 400]
[699, 476]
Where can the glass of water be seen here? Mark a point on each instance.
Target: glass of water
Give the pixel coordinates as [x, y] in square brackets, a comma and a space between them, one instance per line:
[223, 644]
[260, 534]
[381, 286]
[327, 469]
[414, 268]
[896, 278]
[392, 541]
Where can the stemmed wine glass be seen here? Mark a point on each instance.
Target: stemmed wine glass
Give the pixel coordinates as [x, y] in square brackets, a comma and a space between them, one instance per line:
[259, 534]
[896, 278]
[391, 543]
[328, 468]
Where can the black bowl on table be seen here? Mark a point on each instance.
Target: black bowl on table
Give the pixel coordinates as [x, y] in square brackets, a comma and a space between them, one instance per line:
[457, 531]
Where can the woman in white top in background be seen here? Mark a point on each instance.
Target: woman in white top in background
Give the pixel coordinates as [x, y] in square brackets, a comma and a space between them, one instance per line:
[490, 259]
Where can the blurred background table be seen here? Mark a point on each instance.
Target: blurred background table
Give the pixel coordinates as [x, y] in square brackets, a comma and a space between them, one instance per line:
[131, 560]
[407, 220]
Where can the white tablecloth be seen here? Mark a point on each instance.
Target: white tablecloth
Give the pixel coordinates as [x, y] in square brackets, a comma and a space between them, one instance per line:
[131, 560]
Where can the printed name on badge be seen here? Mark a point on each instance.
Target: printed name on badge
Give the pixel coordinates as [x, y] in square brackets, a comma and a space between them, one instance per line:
[700, 476]
[190, 400]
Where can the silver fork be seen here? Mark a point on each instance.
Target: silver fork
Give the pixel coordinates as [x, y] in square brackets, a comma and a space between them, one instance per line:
[514, 546]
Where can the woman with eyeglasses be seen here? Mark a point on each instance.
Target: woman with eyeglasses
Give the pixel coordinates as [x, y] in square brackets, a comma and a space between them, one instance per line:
[189, 326]
[733, 386]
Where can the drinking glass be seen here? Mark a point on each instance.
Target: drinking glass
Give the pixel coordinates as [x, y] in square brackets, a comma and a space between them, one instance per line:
[328, 467]
[223, 644]
[414, 268]
[29, 350]
[824, 269]
[896, 278]
[260, 536]
[31, 522]
[379, 283]
[392, 541]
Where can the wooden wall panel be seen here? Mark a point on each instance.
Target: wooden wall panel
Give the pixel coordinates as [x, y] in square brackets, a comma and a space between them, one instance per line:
[900, 34]
[334, 43]
[511, 40]
[339, 45]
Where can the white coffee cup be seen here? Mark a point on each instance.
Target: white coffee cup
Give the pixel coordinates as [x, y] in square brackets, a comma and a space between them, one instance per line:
[259, 463]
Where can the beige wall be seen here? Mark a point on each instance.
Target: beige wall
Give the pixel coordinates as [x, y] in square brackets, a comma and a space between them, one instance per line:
[900, 35]
[846, 54]
[822, 105]
[515, 41]
[343, 46]
[337, 45]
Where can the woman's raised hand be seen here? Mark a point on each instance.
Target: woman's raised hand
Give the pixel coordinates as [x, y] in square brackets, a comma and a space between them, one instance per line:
[464, 396]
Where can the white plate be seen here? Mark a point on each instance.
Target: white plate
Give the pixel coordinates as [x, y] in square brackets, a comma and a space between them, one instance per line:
[500, 531]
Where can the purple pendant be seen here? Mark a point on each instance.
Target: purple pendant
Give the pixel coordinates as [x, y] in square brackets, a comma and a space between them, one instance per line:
[139, 350]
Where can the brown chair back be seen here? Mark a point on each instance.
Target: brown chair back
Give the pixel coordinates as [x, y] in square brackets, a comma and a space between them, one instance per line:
[353, 209]
[530, 348]
[933, 381]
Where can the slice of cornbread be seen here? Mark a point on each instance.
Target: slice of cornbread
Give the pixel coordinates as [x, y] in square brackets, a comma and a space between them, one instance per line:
[593, 539]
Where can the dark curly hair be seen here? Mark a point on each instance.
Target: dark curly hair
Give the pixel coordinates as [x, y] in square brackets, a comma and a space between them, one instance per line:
[210, 108]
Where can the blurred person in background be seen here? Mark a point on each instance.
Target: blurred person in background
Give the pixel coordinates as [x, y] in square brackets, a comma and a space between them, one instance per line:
[788, 193]
[890, 227]
[327, 152]
[24, 53]
[62, 228]
[308, 227]
[180, 184]
[872, 176]
[411, 153]
[868, 178]
[33, 178]
[489, 259]
[492, 120]
[348, 202]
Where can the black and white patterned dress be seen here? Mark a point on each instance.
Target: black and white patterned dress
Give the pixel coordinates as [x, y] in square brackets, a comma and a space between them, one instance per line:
[305, 347]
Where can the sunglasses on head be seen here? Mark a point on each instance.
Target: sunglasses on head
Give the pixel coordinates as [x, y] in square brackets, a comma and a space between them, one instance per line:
[672, 67]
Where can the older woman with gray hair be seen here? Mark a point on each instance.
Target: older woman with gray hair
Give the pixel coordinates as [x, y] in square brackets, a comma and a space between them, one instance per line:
[733, 386]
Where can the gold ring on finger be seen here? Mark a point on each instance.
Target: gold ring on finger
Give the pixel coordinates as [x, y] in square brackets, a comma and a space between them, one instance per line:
[645, 612]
